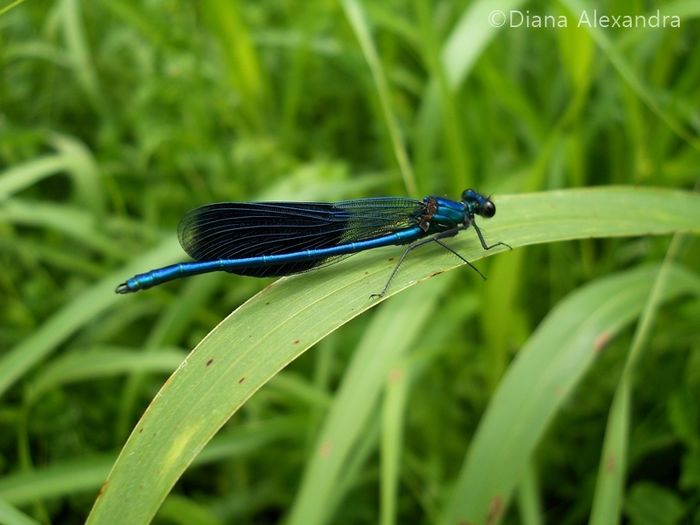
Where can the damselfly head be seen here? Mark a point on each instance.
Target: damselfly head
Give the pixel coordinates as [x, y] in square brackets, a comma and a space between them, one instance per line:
[477, 204]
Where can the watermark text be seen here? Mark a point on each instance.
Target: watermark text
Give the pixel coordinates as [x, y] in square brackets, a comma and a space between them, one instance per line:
[593, 18]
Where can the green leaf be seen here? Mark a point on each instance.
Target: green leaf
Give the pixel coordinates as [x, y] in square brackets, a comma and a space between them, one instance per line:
[178, 509]
[540, 380]
[607, 501]
[101, 362]
[17, 178]
[84, 308]
[391, 335]
[11, 5]
[12, 516]
[69, 220]
[358, 21]
[86, 474]
[79, 51]
[393, 421]
[649, 504]
[626, 70]
[465, 44]
[242, 60]
[576, 48]
[273, 328]
[470, 37]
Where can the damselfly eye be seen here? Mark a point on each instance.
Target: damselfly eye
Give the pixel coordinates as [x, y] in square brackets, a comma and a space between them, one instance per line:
[489, 209]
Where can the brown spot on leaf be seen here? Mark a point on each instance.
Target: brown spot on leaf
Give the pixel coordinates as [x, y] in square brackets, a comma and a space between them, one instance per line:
[435, 274]
[210, 362]
[241, 380]
[610, 464]
[296, 342]
[395, 374]
[601, 341]
[390, 259]
[326, 449]
[495, 510]
[102, 490]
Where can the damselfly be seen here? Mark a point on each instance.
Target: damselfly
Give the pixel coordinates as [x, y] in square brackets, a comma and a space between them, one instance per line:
[265, 239]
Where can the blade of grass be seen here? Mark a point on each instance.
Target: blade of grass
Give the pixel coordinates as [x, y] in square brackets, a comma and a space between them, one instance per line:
[356, 16]
[73, 159]
[11, 5]
[393, 419]
[82, 475]
[242, 62]
[460, 163]
[67, 219]
[57, 480]
[353, 471]
[101, 362]
[84, 171]
[273, 328]
[179, 509]
[470, 36]
[79, 50]
[39, 252]
[18, 178]
[175, 319]
[626, 71]
[391, 334]
[608, 498]
[84, 308]
[12, 516]
[529, 503]
[540, 381]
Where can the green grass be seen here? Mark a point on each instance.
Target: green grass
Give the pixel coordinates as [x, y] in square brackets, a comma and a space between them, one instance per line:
[563, 389]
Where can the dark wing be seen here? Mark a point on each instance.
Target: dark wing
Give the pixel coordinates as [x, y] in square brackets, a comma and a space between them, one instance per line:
[234, 230]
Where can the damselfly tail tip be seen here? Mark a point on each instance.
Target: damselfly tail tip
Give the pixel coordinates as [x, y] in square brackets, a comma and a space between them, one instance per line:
[122, 288]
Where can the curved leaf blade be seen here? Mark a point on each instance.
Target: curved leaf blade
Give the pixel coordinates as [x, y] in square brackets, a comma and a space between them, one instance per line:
[539, 382]
[273, 328]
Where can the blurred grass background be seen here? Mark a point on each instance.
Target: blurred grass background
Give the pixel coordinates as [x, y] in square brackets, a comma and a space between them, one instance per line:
[118, 116]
